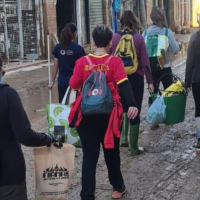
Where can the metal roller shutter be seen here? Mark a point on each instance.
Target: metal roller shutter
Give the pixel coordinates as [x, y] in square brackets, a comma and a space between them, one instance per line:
[96, 14]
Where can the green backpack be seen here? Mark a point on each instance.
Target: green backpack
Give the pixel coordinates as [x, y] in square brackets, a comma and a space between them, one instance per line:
[157, 46]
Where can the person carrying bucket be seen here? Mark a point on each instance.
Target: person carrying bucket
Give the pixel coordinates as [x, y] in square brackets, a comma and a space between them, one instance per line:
[136, 68]
[160, 43]
[192, 76]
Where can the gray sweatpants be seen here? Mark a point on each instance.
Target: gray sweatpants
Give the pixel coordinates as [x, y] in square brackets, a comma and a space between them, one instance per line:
[14, 192]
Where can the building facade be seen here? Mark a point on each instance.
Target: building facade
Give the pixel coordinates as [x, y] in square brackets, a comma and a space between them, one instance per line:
[25, 24]
[18, 35]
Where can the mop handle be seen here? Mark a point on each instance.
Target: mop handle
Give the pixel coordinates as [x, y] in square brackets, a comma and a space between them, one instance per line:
[49, 65]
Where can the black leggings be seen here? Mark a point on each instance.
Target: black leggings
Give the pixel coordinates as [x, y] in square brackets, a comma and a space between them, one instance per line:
[92, 131]
[166, 80]
[137, 84]
[196, 94]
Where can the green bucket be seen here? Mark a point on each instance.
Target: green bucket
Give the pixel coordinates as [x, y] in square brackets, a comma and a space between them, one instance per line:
[175, 108]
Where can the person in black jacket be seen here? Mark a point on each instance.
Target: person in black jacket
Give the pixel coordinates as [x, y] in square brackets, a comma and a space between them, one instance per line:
[15, 129]
[192, 76]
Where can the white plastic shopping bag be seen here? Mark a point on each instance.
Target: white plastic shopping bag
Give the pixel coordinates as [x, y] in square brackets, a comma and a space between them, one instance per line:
[157, 112]
[53, 171]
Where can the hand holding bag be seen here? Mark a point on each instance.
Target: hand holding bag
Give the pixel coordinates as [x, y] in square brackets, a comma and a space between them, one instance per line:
[53, 171]
[157, 112]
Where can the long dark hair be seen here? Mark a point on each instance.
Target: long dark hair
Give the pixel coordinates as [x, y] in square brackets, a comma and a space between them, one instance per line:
[158, 17]
[67, 34]
[130, 21]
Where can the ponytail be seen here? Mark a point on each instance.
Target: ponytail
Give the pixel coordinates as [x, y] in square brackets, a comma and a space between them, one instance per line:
[67, 35]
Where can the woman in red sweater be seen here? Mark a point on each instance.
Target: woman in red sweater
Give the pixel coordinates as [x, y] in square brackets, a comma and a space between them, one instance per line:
[95, 130]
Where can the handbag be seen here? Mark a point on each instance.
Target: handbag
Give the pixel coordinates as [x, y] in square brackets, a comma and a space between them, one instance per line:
[53, 171]
[58, 124]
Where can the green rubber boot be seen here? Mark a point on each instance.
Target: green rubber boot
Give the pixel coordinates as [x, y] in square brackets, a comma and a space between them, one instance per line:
[134, 136]
[124, 134]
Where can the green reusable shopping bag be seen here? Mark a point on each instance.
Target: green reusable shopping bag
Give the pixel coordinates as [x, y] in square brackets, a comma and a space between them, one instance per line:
[157, 46]
[57, 117]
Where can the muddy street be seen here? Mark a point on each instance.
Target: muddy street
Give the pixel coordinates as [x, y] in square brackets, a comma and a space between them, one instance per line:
[168, 170]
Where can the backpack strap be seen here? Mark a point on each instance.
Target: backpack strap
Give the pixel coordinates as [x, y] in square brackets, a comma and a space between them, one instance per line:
[92, 65]
[121, 33]
[166, 32]
[108, 60]
[145, 33]
[89, 61]
[126, 31]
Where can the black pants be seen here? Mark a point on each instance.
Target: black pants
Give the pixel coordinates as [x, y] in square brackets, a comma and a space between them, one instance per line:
[61, 93]
[166, 80]
[196, 94]
[137, 84]
[92, 131]
[14, 192]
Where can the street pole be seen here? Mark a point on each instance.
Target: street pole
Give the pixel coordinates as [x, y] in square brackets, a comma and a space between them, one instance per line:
[143, 14]
[49, 64]
[6, 30]
[19, 8]
[154, 3]
[160, 3]
[78, 11]
[135, 8]
[169, 12]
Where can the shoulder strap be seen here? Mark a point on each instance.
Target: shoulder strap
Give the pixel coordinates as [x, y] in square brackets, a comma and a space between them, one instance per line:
[166, 32]
[145, 33]
[121, 33]
[108, 60]
[89, 61]
[92, 65]
[126, 32]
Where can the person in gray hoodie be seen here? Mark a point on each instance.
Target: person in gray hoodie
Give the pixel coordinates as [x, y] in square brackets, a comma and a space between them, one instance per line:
[159, 27]
[192, 76]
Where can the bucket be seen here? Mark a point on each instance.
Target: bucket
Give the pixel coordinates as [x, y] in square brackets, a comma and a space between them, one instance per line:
[175, 108]
[175, 105]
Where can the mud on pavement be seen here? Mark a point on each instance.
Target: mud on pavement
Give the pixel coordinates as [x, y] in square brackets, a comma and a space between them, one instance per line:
[168, 170]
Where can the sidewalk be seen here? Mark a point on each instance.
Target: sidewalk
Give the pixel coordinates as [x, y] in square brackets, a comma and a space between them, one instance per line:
[27, 78]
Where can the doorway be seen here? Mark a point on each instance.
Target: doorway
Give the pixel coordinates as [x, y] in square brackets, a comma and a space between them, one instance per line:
[66, 12]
